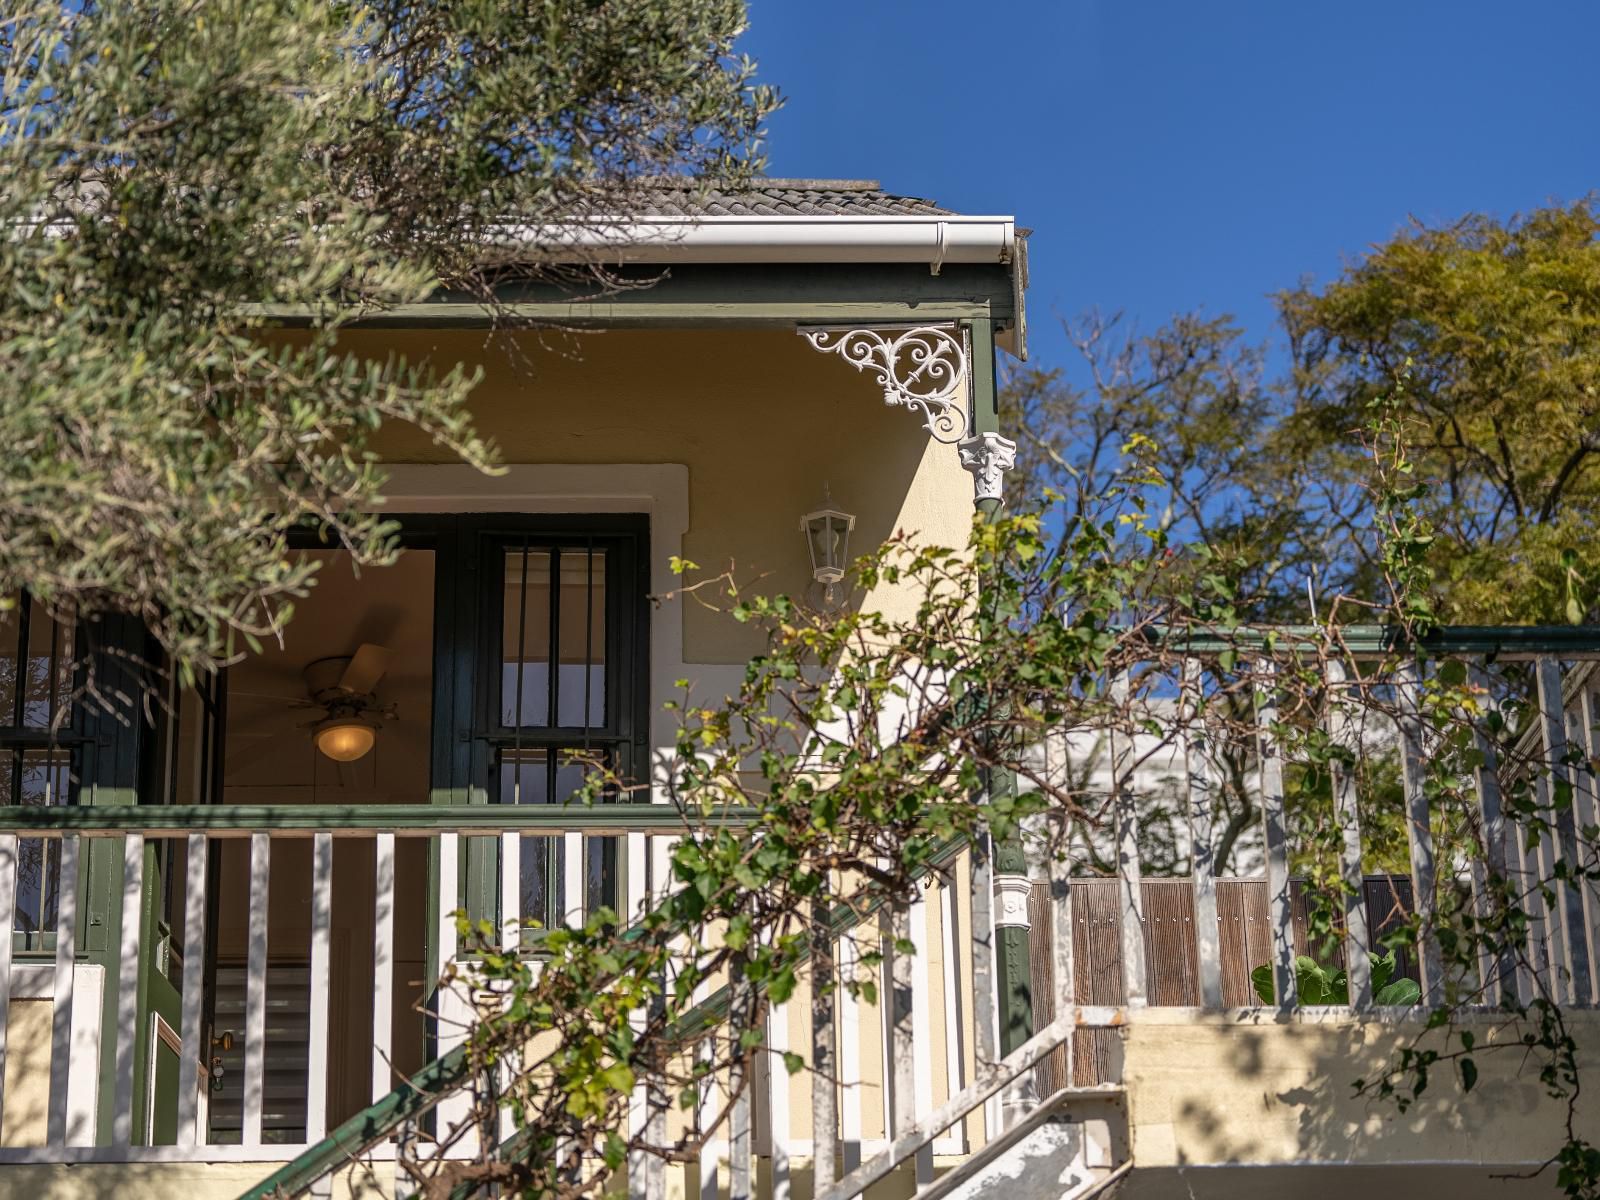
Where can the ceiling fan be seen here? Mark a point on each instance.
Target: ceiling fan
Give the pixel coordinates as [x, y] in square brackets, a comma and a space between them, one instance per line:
[344, 688]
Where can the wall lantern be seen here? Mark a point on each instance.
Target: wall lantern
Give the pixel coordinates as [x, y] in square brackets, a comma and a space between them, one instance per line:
[827, 533]
[345, 738]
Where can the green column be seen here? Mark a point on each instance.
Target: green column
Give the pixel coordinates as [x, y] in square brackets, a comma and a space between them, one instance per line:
[982, 456]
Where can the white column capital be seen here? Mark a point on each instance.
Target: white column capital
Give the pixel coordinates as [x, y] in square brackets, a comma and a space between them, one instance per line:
[988, 456]
[1011, 894]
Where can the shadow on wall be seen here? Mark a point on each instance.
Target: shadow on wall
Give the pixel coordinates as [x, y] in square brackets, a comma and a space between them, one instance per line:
[1237, 1088]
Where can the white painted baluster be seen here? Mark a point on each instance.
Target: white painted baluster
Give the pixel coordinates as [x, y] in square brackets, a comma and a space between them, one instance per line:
[382, 965]
[127, 989]
[61, 1017]
[951, 994]
[1572, 924]
[1274, 822]
[707, 1111]
[511, 890]
[255, 995]
[985, 1026]
[1357, 938]
[321, 987]
[511, 942]
[8, 917]
[921, 1098]
[824, 1053]
[191, 1021]
[1418, 831]
[1587, 798]
[1510, 981]
[574, 875]
[1202, 844]
[740, 1130]
[635, 869]
[778, 1099]
[451, 1013]
[1130, 884]
[849, 1055]
[1059, 869]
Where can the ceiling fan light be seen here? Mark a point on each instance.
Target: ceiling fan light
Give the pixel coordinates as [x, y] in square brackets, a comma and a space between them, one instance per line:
[345, 739]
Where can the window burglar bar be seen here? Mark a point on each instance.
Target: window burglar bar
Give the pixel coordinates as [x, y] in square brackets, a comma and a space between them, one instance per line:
[35, 760]
[556, 707]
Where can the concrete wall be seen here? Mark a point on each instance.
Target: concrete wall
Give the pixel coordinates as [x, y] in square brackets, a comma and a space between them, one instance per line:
[1221, 1089]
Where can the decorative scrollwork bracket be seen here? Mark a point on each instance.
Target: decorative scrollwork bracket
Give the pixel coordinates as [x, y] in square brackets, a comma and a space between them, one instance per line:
[925, 369]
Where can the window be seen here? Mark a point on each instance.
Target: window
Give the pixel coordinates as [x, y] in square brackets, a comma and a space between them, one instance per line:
[36, 747]
[567, 673]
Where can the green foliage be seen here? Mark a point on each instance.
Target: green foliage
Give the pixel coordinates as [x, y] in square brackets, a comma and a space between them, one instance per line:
[1495, 327]
[1316, 984]
[172, 168]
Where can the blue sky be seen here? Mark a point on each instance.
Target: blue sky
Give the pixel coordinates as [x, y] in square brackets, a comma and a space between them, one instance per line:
[1171, 156]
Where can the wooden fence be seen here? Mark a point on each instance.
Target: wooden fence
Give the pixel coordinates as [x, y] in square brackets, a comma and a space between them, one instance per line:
[1171, 951]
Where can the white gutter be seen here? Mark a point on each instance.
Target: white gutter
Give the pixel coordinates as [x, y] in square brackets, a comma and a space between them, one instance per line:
[933, 240]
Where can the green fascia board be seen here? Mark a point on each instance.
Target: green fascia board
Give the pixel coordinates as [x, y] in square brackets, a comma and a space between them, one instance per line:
[421, 820]
[690, 295]
[1503, 642]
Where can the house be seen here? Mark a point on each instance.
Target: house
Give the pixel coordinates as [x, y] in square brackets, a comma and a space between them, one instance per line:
[226, 918]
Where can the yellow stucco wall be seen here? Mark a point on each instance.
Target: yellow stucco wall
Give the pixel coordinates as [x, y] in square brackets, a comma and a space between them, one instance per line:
[761, 421]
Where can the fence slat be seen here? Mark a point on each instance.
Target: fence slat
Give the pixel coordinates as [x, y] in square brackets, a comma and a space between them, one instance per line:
[61, 1017]
[1202, 838]
[1419, 835]
[1130, 908]
[8, 918]
[824, 1053]
[1274, 823]
[1587, 738]
[1486, 784]
[1357, 937]
[1574, 933]
[321, 989]
[127, 990]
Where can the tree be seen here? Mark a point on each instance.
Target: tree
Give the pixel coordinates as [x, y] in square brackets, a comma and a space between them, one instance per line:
[1496, 328]
[175, 172]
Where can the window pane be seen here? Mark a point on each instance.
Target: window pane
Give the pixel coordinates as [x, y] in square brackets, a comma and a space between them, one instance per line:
[525, 639]
[576, 607]
[37, 777]
[582, 676]
[531, 777]
[41, 671]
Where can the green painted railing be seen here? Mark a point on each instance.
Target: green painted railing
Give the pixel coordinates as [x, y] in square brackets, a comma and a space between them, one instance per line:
[417, 820]
[1504, 642]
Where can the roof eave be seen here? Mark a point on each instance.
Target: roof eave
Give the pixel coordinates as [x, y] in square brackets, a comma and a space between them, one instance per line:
[933, 240]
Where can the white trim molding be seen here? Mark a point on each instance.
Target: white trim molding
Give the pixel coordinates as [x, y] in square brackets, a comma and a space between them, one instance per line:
[926, 368]
[659, 490]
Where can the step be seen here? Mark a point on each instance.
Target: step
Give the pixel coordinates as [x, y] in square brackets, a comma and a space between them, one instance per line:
[1050, 1154]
